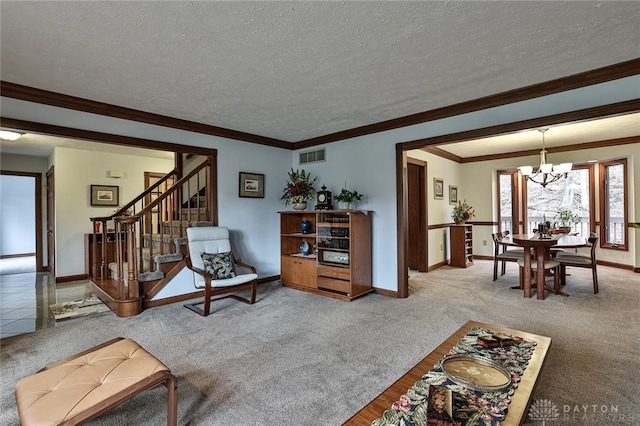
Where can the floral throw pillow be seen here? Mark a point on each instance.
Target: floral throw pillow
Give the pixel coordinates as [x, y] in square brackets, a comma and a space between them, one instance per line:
[219, 265]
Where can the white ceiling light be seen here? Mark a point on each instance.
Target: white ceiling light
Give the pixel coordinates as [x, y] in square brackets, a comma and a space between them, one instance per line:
[10, 136]
[547, 172]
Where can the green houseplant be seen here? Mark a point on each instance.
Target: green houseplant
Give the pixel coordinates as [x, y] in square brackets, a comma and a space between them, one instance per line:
[299, 189]
[462, 212]
[346, 197]
[566, 217]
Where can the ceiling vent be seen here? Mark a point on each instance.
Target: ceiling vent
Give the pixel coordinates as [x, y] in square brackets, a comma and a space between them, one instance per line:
[312, 156]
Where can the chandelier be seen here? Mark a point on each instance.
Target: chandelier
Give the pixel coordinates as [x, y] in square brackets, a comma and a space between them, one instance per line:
[546, 172]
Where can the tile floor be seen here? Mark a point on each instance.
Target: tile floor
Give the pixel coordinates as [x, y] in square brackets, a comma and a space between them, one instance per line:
[25, 300]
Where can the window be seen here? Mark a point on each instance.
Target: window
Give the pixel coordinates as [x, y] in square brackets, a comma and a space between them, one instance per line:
[613, 204]
[572, 193]
[507, 201]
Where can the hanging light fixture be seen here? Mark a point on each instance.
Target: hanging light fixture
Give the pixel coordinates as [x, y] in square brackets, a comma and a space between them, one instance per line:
[547, 172]
[9, 136]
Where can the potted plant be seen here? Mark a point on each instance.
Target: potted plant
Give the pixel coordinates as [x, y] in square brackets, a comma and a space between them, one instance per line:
[299, 189]
[566, 217]
[346, 197]
[462, 212]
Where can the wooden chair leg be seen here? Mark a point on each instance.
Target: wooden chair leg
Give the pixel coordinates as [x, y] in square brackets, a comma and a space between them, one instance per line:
[495, 269]
[253, 293]
[172, 408]
[595, 279]
[520, 285]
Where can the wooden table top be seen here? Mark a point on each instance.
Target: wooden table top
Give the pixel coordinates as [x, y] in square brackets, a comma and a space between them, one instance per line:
[557, 240]
[517, 411]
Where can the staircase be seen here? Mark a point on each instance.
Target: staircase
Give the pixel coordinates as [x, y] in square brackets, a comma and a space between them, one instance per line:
[151, 242]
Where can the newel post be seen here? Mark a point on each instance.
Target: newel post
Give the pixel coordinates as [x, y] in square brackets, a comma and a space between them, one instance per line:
[127, 229]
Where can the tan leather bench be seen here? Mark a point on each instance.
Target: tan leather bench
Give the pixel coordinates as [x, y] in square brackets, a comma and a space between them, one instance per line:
[84, 386]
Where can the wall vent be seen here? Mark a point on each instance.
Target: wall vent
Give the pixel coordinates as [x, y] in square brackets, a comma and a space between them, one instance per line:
[312, 156]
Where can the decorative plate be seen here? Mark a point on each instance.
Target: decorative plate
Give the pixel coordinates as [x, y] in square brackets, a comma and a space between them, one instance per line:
[304, 248]
[476, 372]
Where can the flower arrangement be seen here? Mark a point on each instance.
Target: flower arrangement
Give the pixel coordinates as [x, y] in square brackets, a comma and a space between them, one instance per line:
[462, 212]
[299, 189]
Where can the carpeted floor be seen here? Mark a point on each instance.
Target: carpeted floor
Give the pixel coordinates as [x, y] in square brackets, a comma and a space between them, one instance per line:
[299, 359]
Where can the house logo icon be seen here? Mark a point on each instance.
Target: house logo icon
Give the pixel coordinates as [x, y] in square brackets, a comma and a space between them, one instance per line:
[543, 410]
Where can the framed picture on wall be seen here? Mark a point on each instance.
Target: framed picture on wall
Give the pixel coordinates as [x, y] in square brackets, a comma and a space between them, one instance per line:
[105, 195]
[453, 194]
[438, 188]
[251, 185]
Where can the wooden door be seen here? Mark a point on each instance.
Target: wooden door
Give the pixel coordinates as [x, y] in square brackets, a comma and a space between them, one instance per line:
[51, 224]
[417, 214]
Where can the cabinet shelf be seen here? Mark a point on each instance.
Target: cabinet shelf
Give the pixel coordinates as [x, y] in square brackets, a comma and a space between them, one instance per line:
[461, 245]
[299, 235]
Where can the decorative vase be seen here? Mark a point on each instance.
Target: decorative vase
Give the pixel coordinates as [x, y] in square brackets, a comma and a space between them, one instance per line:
[344, 205]
[299, 206]
[305, 226]
[96, 227]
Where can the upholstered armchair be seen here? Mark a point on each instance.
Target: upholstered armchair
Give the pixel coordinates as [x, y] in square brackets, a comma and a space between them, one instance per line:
[215, 269]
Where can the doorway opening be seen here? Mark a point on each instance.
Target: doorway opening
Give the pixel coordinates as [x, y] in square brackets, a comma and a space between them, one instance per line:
[20, 222]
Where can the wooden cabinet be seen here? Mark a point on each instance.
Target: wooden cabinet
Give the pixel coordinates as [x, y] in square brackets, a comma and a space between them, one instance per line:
[339, 260]
[461, 237]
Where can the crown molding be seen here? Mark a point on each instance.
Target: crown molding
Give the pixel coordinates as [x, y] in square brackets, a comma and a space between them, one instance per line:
[588, 78]
[88, 135]
[31, 94]
[600, 111]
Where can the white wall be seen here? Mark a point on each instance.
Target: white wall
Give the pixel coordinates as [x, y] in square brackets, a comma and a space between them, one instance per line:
[75, 171]
[367, 165]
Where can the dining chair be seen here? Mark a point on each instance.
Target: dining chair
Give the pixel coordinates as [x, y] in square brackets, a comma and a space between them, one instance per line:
[580, 260]
[501, 254]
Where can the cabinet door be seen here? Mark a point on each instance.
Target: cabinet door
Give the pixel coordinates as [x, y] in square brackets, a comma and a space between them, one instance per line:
[288, 270]
[298, 271]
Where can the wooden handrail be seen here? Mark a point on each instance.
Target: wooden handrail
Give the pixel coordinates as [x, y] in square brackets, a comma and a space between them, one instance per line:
[169, 191]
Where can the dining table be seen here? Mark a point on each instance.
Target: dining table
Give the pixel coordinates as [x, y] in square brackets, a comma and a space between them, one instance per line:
[541, 245]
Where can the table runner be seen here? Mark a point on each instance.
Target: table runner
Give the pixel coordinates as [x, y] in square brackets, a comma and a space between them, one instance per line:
[470, 408]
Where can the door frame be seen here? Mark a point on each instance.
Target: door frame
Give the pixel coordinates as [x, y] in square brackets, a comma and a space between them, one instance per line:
[51, 221]
[423, 240]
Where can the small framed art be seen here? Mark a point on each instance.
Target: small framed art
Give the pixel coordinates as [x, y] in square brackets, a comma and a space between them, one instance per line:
[453, 194]
[251, 185]
[105, 195]
[438, 188]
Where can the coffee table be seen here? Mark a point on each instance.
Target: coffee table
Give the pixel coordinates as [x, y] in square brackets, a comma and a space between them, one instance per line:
[520, 401]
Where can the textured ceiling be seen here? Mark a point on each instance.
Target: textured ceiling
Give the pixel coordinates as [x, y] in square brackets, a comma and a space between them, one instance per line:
[298, 70]
[43, 145]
